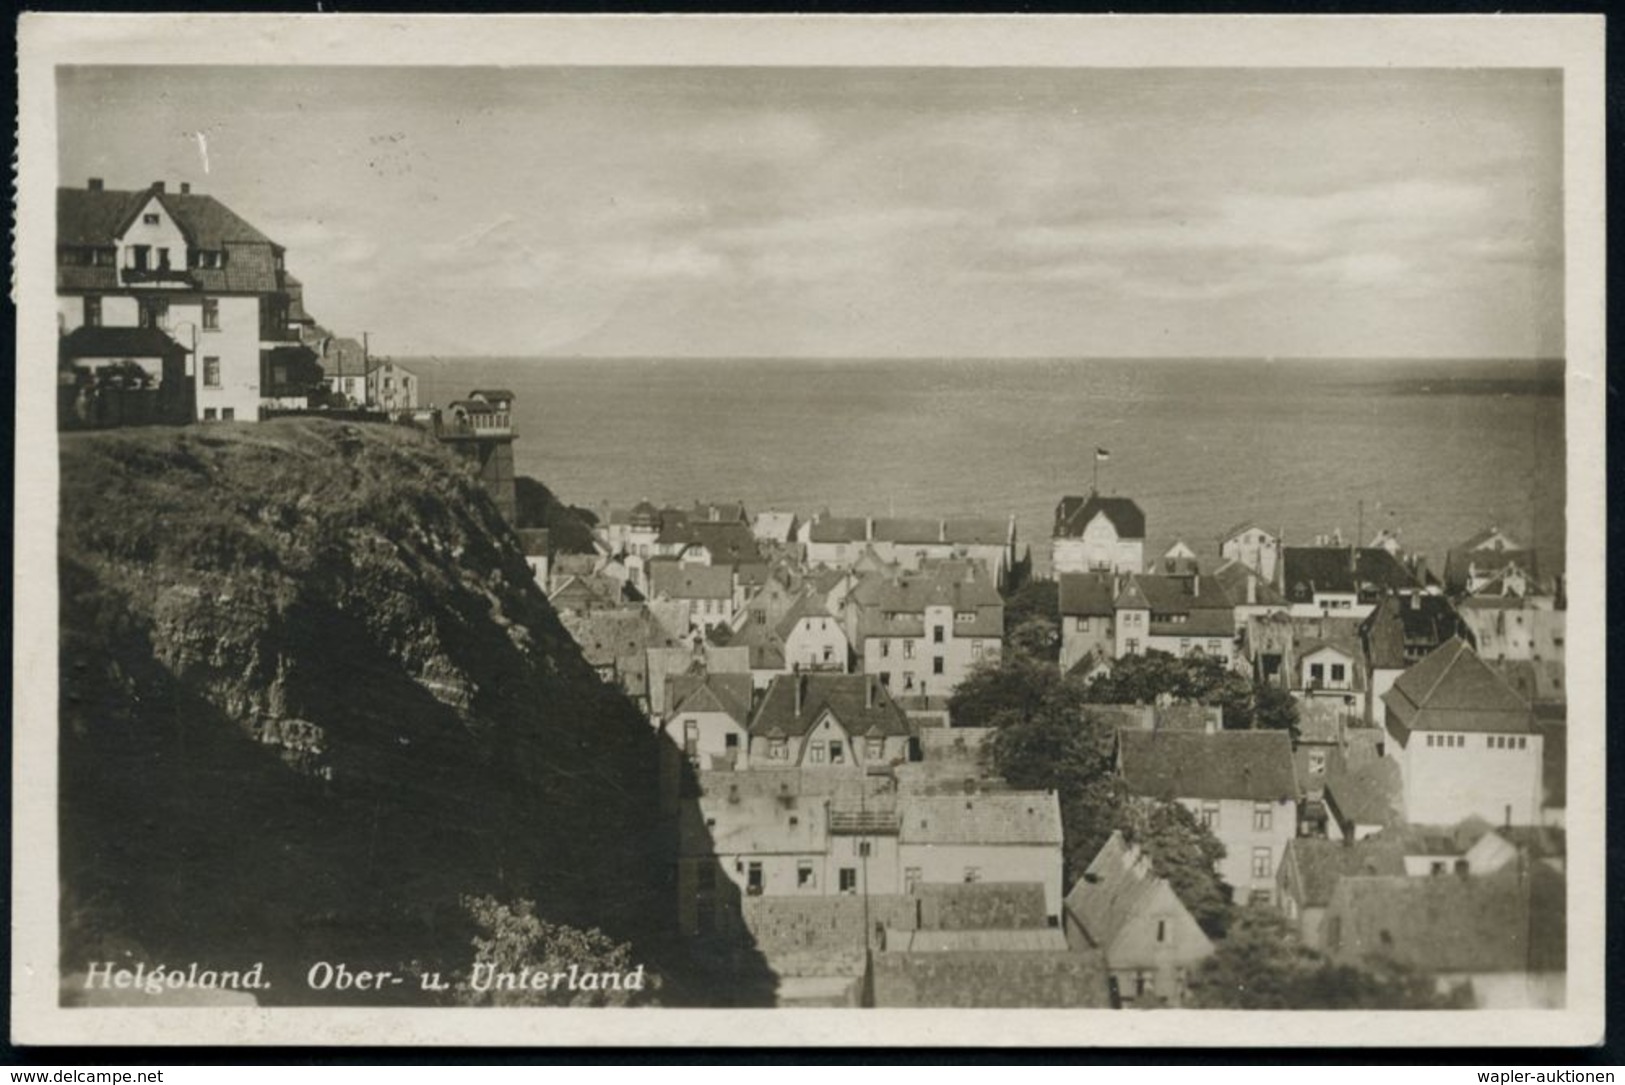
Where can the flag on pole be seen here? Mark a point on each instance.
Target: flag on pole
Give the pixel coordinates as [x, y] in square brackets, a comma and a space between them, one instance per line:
[1101, 455]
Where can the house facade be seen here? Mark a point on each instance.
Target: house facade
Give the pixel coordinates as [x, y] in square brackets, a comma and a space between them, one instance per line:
[1009, 836]
[922, 633]
[1466, 744]
[708, 720]
[1254, 546]
[1240, 784]
[1150, 941]
[187, 266]
[1097, 534]
[829, 722]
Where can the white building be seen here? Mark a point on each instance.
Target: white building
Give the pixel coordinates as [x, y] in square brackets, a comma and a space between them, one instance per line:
[1255, 546]
[1466, 744]
[1097, 533]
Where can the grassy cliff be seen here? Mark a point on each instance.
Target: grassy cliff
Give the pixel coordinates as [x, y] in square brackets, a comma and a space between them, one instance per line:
[311, 698]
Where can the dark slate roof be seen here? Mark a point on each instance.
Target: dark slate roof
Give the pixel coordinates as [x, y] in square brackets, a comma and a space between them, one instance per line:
[1327, 569]
[1509, 921]
[1073, 514]
[1367, 792]
[1202, 599]
[1254, 765]
[1419, 622]
[838, 529]
[1453, 690]
[1320, 862]
[846, 695]
[1086, 595]
[106, 342]
[87, 217]
[676, 580]
[729, 693]
[728, 541]
[1233, 577]
[339, 356]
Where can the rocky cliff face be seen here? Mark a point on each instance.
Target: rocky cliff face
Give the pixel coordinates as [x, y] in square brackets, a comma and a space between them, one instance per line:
[311, 697]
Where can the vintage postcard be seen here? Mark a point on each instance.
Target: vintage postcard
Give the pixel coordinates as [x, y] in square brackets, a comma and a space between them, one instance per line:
[790, 530]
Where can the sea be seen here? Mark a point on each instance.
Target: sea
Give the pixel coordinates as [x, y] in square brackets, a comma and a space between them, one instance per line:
[1434, 450]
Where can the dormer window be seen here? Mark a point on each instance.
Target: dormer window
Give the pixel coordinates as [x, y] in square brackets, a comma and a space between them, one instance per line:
[209, 258]
[150, 219]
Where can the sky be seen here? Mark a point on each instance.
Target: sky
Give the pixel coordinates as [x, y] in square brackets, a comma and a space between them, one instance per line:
[903, 212]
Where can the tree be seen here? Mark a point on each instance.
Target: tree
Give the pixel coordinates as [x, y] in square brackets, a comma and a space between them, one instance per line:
[1186, 853]
[569, 526]
[1275, 709]
[513, 939]
[1012, 685]
[1262, 965]
[1030, 609]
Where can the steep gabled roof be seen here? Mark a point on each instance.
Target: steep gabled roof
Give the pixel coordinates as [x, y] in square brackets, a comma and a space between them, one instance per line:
[1407, 620]
[675, 580]
[1309, 569]
[1073, 514]
[1086, 595]
[1453, 690]
[1118, 888]
[727, 693]
[1252, 765]
[859, 702]
[1320, 863]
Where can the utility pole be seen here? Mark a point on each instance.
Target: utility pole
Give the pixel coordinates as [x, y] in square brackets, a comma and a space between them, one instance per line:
[366, 364]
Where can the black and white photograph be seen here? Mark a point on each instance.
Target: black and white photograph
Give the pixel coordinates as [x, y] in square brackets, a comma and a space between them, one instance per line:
[593, 515]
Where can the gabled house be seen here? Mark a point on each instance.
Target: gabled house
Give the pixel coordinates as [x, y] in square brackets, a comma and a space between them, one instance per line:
[186, 266]
[812, 637]
[1180, 615]
[708, 719]
[1150, 941]
[1178, 560]
[835, 541]
[1515, 628]
[1465, 742]
[391, 386]
[1240, 784]
[1097, 534]
[1341, 581]
[1254, 546]
[1088, 613]
[829, 722]
[1491, 562]
[776, 527]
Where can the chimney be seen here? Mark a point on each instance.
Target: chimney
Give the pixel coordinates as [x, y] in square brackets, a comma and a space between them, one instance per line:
[1252, 589]
[95, 184]
[800, 683]
[869, 690]
[186, 188]
[158, 186]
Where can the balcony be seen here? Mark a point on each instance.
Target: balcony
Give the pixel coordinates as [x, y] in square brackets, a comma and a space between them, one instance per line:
[865, 822]
[156, 276]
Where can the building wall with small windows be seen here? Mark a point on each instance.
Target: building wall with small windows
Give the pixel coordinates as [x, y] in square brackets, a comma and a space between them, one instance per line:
[1190, 646]
[817, 643]
[1255, 836]
[1449, 776]
[938, 864]
[932, 664]
[1098, 548]
[1084, 635]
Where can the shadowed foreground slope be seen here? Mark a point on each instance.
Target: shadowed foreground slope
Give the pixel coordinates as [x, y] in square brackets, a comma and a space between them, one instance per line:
[312, 697]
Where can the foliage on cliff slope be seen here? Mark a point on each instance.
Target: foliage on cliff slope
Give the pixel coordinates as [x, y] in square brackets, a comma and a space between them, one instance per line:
[311, 698]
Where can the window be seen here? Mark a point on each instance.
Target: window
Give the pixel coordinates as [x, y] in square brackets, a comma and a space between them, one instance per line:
[211, 371]
[976, 649]
[1131, 646]
[778, 749]
[908, 649]
[1262, 866]
[1162, 930]
[163, 259]
[885, 648]
[936, 665]
[1210, 815]
[1317, 674]
[753, 879]
[691, 737]
[1430, 740]
[806, 878]
[210, 258]
[154, 312]
[1214, 647]
[149, 219]
[849, 879]
[908, 680]
[1184, 646]
[1145, 983]
[209, 414]
[911, 879]
[1259, 896]
[140, 256]
[1263, 817]
[874, 749]
[93, 311]
[1317, 762]
[864, 850]
[964, 615]
[885, 679]
[211, 314]
[973, 874]
[1437, 867]
[1338, 672]
[837, 754]
[1081, 625]
[228, 414]
[937, 634]
[816, 752]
